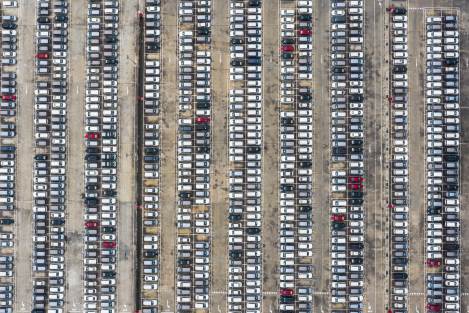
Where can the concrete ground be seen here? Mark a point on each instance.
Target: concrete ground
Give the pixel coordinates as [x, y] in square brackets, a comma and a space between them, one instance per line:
[24, 157]
[219, 179]
[75, 170]
[376, 139]
[375, 117]
[270, 156]
[128, 31]
[321, 180]
[168, 127]
[417, 146]
[417, 172]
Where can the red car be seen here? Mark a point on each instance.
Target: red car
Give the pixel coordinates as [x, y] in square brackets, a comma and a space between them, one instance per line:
[202, 119]
[9, 97]
[433, 262]
[91, 224]
[355, 179]
[356, 186]
[434, 307]
[109, 244]
[92, 135]
[305, 32]
[288, 48]
[287, 292]
[42, 56]
[338, 217]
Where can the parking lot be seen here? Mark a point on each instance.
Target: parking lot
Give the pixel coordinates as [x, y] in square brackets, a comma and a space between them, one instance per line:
[233, 156]
[347, 155]
[9, 144]
[296, 130]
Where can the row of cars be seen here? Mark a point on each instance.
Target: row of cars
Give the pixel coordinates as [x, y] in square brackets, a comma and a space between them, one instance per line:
[151, 156]
[194, 156]
[442, 163]
[101, 154]
[399, 174]
[50, 155]
[296, 155]
[245, 156]
[8, 111]
[347, 168]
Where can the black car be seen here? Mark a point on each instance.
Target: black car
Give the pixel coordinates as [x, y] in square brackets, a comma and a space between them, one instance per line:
[356, 142]
[356, 246]
[433, 211]
[108, 229]
[43, 19]
[235, 217]
[236, 41]
[355, 194]
[451, 246]
[399, 11]
[203, 31]
[61, 17]
[253, 230]
[236, 255]
[111, 61]
[9, 25]
[91, 201]
[184, 261]
[109, 193]
[108, 274]
[150, 253]
[356, 260]
[254, 3]
[338, 70]
[400, 261]
[253, 149]
[305, 17]
[355, 201]
[305, 208]
[339, 150]
[111, 39]
[305, 97]
[92, 157]
[399, 276]
[185, 194]
[57, 221]
[92, 150]
[450, 61]
[287, 121]
[237, 62]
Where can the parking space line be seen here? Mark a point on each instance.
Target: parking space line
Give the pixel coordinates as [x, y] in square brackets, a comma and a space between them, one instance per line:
[10, 237]
[102, 157]
[296, 133]
[442, 192]
[398, 151]
[246, 156]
